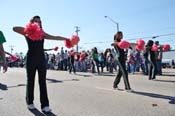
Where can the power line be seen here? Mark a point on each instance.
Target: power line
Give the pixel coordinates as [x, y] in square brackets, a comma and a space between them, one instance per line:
[151, 37]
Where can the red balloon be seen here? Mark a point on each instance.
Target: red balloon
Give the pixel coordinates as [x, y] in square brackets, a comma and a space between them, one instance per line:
[34, 32]
[140, 48]
[166, 47]
[72, 53]
[123, 44]
[154, 48]
[75, 39]
[13, 58]
[56, 48]
[68, 43]
[141, 42]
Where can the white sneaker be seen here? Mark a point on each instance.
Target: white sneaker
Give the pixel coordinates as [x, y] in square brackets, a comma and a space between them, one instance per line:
[116, 88]
[129, 90]
[46, 109]
[31, 106]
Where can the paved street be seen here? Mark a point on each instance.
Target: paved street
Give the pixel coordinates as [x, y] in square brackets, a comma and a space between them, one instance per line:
[86, 94]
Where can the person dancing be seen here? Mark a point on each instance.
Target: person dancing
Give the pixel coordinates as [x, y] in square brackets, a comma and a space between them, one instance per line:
[152, 59]
[36, 61]
[121, 58]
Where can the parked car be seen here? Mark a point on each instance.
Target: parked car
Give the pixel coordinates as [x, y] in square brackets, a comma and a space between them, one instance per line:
[168, 63]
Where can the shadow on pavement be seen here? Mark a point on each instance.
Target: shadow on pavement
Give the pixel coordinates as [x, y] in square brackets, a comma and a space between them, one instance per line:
[50, 114]
[3, 87]
[170, 81]
[60, 81]
[19, 85]
[170, 75]
[38, 113]
[84, 75]
[109, 75]
[170, 98]
[54, 80]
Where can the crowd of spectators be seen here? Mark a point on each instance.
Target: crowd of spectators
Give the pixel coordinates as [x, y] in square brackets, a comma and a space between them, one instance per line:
[89, 61]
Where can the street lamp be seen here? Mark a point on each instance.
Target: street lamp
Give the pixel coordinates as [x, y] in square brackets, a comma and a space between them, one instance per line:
[154, 37]
[113, 22]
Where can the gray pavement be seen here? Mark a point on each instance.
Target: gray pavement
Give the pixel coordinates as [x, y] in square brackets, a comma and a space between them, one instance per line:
[86, 94]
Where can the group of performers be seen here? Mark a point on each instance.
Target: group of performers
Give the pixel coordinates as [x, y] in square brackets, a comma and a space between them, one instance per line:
[35, 60]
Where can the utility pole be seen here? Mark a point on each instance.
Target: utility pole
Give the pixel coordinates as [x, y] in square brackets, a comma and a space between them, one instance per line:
[77, 30]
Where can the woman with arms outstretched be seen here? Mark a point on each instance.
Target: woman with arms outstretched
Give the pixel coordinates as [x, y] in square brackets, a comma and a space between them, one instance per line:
[36, 62]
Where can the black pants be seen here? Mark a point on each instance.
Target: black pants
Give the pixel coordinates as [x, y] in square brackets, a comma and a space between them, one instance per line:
[122, 72]
[71, 67]
[95, 62]
[101, 63]
[152, 69]
[32, 67]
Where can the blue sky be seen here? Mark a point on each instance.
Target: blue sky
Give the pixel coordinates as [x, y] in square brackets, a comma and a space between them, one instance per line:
[136, 18]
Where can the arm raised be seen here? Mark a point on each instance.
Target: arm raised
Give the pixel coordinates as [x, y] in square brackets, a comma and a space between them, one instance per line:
[114, 44]
[19, 30]
[51, 37]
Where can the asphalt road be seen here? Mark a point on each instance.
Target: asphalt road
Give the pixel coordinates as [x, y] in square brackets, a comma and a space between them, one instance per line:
[86, 94]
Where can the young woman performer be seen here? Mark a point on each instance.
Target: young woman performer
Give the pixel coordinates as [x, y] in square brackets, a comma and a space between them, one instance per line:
[36, 61]
[121, 62]
[152, 59]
